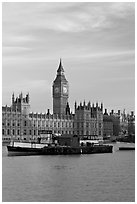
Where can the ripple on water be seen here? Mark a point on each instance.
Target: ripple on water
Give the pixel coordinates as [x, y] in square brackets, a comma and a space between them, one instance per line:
[93, 178]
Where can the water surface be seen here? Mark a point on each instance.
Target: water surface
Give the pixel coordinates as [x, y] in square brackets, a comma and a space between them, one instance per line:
[69, 178]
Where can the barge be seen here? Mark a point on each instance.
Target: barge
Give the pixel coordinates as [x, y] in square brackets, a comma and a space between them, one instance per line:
[56, 145]
[126, 148]
[57, 150]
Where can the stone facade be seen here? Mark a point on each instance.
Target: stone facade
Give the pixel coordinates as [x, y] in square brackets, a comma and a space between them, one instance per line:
[20, 123]
[107, 125]
[131, 124]
[88, 121]
[111, 123]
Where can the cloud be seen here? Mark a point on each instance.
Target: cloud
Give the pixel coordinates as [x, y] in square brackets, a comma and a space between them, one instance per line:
[98, 37]
[65, 17]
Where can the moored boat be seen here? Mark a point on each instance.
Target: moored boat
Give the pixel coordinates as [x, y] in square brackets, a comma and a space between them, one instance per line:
[57, 145]
[42, 149]
[126, 148]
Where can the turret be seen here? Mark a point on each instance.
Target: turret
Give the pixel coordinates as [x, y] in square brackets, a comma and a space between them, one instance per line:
[84, 104]
[105, 112]
[21, 104]
[89, 105]
[67, 109]
[27, 98]
[101, 106]
[75, 105]
[13, 98]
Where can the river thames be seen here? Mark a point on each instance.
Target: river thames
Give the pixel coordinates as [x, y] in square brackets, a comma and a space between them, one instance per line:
[69, 178]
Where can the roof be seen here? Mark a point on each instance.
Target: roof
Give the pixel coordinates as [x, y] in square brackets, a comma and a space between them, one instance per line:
[60, 69]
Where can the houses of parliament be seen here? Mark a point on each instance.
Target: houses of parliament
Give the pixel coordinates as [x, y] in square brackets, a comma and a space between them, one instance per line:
[19, 122]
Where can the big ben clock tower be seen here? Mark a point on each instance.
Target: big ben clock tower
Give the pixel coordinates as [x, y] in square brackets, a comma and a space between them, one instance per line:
[60, 92]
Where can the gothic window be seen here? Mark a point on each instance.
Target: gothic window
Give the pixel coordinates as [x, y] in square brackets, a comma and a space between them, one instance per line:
[3, 132]
[13, 131]
[38, 123]
[18, 132]
[43, 123]
[8, 131]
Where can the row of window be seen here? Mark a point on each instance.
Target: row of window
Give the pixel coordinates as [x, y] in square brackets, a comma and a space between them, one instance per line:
[11, 124]
[86, 132]
[82, 116]
[10, 115]
[47, 124]
[88, 125]
[32, 132]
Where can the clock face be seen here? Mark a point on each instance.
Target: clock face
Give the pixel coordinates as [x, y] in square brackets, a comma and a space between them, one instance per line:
[56, 90]
[65, 90]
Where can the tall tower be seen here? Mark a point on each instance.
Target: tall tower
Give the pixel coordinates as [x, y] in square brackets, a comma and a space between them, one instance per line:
[21, 104]
[60, 92]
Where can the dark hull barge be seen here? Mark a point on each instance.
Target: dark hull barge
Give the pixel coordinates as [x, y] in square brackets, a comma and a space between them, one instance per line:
[58, 150]
[126, 148]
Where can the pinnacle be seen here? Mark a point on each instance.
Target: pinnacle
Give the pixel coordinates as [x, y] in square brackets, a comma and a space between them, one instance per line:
[60, 69]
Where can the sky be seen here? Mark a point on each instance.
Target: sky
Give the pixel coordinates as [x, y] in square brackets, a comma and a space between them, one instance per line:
[96, 42]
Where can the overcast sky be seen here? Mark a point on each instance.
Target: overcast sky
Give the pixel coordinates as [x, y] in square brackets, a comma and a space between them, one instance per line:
[96, 44]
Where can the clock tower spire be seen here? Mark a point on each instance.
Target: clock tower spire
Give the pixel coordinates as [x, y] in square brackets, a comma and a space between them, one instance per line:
[60, 92]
